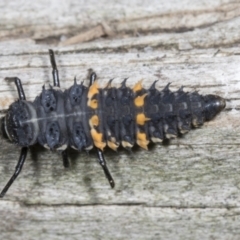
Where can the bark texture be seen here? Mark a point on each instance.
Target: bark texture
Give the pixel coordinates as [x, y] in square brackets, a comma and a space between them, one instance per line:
[188, 188]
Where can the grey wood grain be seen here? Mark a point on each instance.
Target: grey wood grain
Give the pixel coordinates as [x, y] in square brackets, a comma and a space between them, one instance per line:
[185, 189]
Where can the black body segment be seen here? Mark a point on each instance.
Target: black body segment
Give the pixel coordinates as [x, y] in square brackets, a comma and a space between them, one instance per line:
[18, 129]
[126, 116]
[212, 106]
[101, 158]
[51, 115]
[77, 117]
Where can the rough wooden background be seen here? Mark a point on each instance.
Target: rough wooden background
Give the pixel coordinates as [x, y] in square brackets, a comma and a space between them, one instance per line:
[187, 189]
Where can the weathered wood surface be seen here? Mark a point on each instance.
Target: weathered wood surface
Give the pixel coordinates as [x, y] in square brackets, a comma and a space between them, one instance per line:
[187, 189]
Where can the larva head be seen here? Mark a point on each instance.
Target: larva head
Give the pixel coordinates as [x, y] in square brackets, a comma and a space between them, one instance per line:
[17, 125]
[213, 104]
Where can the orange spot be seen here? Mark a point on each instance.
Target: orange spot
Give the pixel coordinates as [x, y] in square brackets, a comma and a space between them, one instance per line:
[97, 139]
[138, 86]
[93, 89]
[100, 145]
[142, 140]
[139, 101]
[141, 136]
[112, 145]
[141, 119]
[96, 136]
[93, 104]
[94, 121]
[143, 144]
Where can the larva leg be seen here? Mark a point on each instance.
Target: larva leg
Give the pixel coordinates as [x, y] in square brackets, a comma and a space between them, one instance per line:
[103, 164]
[56, 82]
[66, 163]
[18, 84]
[18, 169]
[101, 158]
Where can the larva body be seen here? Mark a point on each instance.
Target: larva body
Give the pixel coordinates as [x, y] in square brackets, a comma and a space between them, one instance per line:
[85, 117]
[82, 117]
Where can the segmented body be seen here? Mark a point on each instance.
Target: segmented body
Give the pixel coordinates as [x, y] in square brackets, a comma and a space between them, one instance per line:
[81, 117]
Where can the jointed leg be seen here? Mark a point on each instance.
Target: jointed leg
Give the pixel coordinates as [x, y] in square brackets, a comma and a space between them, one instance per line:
[103, 163]
[56, 81]
[18, 169]
[66, 163]
[18, 84]
[92, 77]
[101, 158]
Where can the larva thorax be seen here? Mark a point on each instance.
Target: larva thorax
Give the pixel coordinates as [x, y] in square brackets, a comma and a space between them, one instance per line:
[82, 117]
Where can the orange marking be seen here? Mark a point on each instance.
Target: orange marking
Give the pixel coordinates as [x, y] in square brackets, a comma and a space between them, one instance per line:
[93, 104]
[141, 119]
[138, 86]
[141, 136]
[94, 121]
[143, 144]
[100, 145]
[93, 89]
[142, 140]
[139, 101]
[97, 139]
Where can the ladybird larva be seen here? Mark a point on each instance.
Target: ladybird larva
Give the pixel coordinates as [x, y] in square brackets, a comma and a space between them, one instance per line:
[92, 117]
